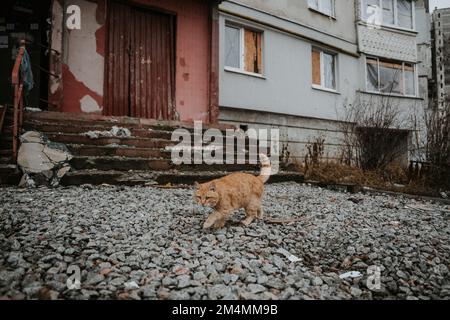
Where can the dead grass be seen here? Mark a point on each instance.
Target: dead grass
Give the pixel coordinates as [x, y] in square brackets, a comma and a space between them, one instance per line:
[394, 178]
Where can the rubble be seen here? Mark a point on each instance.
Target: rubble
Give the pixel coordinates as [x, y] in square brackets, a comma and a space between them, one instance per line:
[148, 243]
[114, 132]
[42, 162]
[31, 109]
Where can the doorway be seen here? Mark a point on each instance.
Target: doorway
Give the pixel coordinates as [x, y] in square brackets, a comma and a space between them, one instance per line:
[140, 63]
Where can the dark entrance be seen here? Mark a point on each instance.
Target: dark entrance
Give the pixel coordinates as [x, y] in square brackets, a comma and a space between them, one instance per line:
[25, 19]
[140, 64]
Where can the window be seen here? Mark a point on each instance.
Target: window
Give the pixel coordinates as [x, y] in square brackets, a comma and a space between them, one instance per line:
[233, 47]
[243, 51]
[394, 13]
[323, 6]
[323, 69]
[405, 18]
[390, 77]
[388, 12]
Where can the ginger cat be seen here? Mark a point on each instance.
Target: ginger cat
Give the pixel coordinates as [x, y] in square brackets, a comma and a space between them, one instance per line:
[233, 192]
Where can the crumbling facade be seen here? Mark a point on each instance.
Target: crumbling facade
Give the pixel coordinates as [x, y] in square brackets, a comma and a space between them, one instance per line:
[292, 65]
[149, 58]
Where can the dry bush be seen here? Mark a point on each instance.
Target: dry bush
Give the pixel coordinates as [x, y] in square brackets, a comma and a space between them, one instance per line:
[333, 172]
[437, 172]
[314, 155]
[395, 173]
[372, 134]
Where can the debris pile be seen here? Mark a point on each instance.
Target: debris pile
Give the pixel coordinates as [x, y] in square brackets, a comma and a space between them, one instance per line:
[114, 132]
[42, 162]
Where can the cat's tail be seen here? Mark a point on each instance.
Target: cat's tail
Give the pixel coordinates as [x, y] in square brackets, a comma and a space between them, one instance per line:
[266, 168]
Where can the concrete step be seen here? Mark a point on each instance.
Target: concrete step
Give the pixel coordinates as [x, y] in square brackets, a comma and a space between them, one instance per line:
[6, 159]
[138, 142]
[100, 120]
[9, 174]
[150, 133]
[101, 151]
[5, 149]
[96, 177]
[5, 143]
[133, 152]
[65, 127]
[5, 152]
[83, 128]
[7, 130]
[205, 176]
[125, 164]
[7, 168]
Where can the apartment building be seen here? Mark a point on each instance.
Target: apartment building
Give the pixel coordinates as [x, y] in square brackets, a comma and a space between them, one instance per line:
[441, 55]
[298, 65]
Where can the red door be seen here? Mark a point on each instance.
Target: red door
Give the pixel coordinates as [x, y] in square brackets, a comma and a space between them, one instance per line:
[140, 63]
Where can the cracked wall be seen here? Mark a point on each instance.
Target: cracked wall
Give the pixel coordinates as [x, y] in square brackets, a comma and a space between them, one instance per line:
[81, 65]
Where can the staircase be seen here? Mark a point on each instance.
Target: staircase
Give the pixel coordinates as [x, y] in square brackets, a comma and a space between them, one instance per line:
[139, 159]
[9, 174]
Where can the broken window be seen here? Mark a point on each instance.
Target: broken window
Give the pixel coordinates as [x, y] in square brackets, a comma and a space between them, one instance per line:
[252, 51]
[323, 69]
[243, 49]
[324, 6]
[390, 77]
[397, 13]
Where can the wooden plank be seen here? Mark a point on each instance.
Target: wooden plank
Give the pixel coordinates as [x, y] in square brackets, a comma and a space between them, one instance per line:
[252, 51]
[316, 67]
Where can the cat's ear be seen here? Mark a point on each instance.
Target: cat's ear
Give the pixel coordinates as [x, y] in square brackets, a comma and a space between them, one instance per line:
[196, 184]
[212, 187]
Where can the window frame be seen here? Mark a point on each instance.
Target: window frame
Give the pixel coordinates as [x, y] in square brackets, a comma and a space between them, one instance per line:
[322, 70]
[320, 8]
[381, 15]
[241, 68]
[403, 87]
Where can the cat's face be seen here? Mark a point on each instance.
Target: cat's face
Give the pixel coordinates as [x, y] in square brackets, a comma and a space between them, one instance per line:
[206, 195]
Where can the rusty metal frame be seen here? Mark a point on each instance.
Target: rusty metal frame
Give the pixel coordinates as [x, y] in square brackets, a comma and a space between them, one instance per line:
[2, 116]
[213, 63]
[17, 82]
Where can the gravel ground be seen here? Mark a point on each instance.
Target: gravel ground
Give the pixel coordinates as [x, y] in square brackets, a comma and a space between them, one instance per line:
[147, 243]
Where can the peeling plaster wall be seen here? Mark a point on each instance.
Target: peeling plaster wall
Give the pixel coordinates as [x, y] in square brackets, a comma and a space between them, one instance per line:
[84, 52]
[192, 56]
[82, 56]
[83, 60]
[55, 83]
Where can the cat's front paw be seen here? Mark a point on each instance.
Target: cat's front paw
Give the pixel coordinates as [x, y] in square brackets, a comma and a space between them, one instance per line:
[219, 224]
[208, 224]
[247, 221]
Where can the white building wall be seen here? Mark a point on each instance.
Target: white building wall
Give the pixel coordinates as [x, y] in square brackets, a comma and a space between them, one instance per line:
[284, 96]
